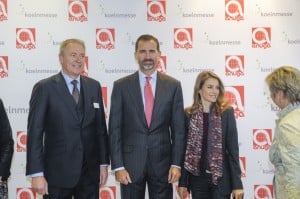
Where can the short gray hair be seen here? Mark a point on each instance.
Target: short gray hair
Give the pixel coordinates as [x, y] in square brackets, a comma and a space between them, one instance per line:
[64, 44]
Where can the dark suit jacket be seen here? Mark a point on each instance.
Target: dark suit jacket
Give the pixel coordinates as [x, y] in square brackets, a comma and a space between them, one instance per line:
[231, 178]
[132, 143]
[68, 138]
[6, 143]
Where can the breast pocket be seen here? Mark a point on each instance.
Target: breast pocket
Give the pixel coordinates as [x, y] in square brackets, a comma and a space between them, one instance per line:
[90, 114]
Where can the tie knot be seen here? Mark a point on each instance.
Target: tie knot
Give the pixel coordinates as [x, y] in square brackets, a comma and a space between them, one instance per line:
[74, 82]
[148, 78]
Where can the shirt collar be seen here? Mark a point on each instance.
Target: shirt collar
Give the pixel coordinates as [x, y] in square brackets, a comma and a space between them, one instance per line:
[289, 108]
[68, 79]
[143, 75]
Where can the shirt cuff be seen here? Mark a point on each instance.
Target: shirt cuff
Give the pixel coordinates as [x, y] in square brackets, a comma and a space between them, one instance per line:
[36, 175]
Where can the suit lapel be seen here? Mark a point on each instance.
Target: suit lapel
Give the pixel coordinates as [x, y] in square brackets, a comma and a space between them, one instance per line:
[87, 98]
[159, 96]
[64, 93]
[136, 94]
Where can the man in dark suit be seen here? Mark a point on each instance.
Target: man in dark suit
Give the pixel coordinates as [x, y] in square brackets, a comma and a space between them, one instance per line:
[147, 149]
[67, 143]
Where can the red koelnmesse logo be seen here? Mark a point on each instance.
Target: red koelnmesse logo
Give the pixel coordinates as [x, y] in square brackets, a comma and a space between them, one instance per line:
[25, 193]
[234, 65]
[234, 10]
[21, 141]
[263, 191]
[3, 10]
[108, 192]
[243, 166]
[235, 95]
[261, 37]
[3, 66]
[25, 38]
[85, 71]
[105, 98]
[156, 11]
[105, 38]
[162, 64]
[262, 139]
[183, 38]
[78, 10]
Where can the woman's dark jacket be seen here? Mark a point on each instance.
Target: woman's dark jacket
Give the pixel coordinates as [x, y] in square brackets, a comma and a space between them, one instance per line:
[231, 178]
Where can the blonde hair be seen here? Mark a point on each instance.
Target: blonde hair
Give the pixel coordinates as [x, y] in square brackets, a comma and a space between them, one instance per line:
[286, 79]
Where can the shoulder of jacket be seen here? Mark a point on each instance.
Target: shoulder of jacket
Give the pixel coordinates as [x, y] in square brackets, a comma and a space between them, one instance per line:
[166, 77]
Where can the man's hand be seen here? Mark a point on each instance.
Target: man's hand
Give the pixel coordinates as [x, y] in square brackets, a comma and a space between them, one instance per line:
[174, 174]
[39, 185]
[103, 175]
[123, 177]
[238, 194]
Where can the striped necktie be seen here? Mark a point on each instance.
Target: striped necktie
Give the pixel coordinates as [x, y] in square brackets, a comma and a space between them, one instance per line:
[75, 92]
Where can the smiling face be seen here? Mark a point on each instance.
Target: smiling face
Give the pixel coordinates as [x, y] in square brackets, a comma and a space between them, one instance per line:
[209, 92]
[72, 59]
[147, 56]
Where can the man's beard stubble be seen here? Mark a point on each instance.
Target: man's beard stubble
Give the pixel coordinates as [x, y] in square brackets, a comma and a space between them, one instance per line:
[147, 66]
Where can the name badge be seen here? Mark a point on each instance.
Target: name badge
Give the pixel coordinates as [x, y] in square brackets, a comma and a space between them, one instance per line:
[96, 105]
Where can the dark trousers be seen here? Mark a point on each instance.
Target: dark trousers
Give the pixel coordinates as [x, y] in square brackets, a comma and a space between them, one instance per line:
[157, 188]
[3, 189]
[202, 188]
[85, 188]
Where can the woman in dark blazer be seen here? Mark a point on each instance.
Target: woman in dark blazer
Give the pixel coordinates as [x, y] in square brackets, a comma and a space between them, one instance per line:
[211, 166]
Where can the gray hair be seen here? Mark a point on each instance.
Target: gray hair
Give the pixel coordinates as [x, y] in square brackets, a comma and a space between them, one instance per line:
[65, 43]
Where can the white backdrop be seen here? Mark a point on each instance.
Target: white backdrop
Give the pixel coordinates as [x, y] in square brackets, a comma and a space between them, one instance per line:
[242, 41]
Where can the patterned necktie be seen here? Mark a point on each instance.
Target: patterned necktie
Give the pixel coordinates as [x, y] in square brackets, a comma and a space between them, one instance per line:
[149, 100]
[75, 92]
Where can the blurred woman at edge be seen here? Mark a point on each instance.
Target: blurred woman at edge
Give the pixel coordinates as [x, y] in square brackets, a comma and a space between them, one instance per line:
[284, 86]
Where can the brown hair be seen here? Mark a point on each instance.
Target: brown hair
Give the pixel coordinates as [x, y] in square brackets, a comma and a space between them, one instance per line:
[220, 105]
[147, 37]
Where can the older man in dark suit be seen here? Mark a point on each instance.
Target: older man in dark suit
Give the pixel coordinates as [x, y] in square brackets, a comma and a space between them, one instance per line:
[146, 127]
[67, 143]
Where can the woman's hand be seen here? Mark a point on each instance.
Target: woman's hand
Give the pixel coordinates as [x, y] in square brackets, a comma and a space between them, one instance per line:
[183, 192]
